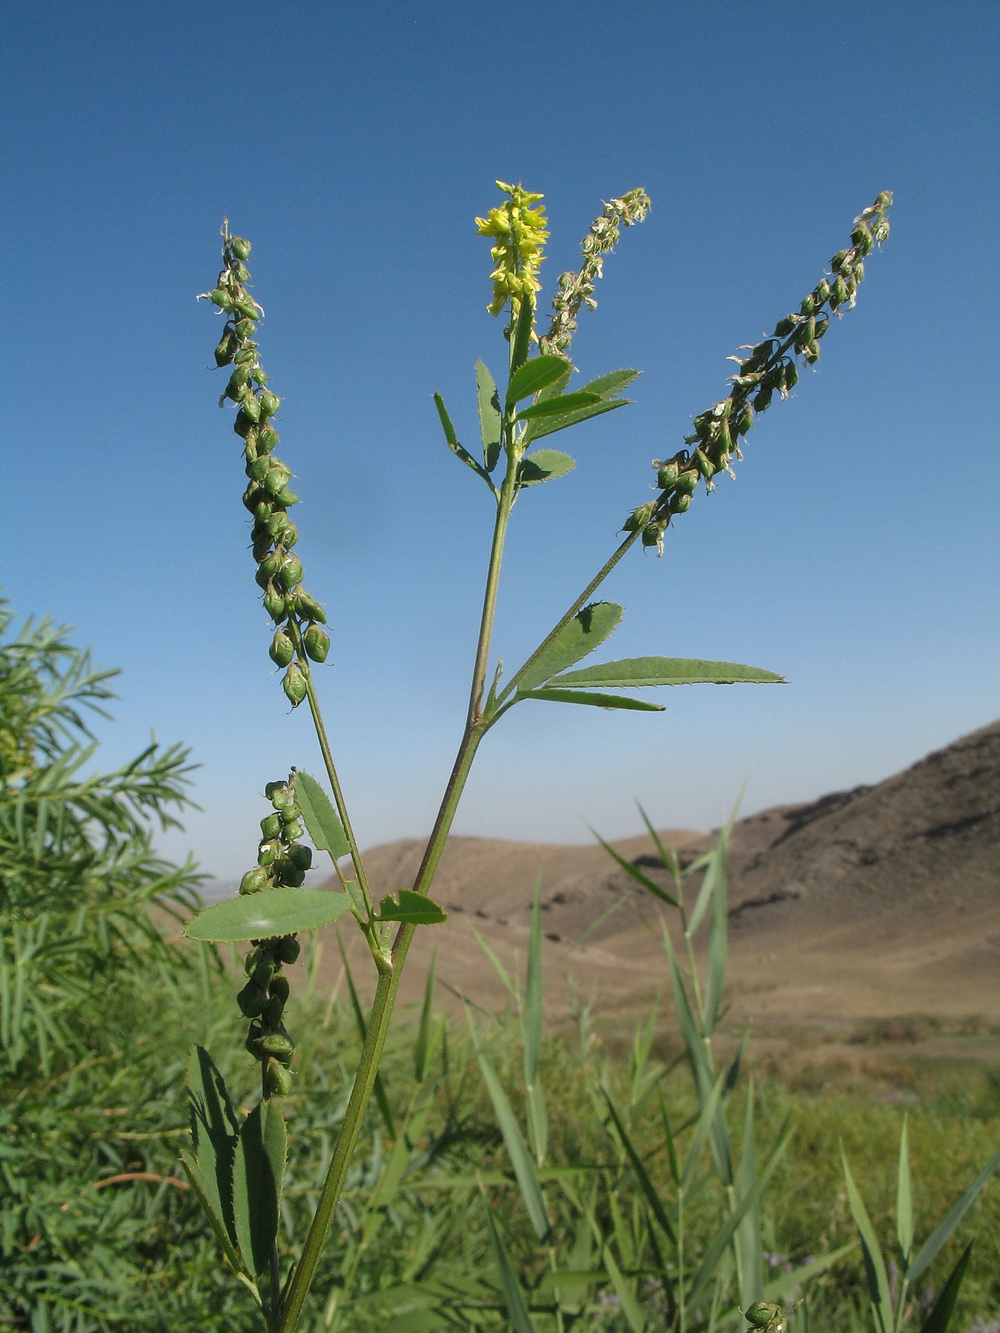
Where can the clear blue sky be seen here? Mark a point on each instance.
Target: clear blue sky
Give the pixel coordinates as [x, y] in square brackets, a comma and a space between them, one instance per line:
[856, 553]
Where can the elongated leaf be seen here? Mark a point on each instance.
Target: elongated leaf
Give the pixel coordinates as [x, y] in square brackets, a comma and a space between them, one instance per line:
[782, 1286]
[649, 1190]
[428, 1035]
[594, 700]
[452, 441]
[558, 386]
[549, 425]
[490, 418]
[635, 873]
[409, 906]
[214, 1130]
[747, 1241]
[517, 1310]
[608, 386]
[878, 1281]
[543, 466]
[534, 375]
[944, 1307]
[322, 821]
[941, 1233]
[264, 915]
[627, 1302]
[258, 1170]
[645, 671]
[718, 946]
[904, 1198]
[520, 1158]
[586, 631]
[565, 403]
[531, 1024]
[523, 328]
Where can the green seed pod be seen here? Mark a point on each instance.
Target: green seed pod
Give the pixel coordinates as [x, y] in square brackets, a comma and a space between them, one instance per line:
[276, 478]
[808, 306]
[277, 523]
[269, 404]
[252, 496]
[704, 464]
[300, 856]
[261, 542]
[290, 573]
[246, 327]
[811, 353]
[839, 260]
[247, 356]
[273, 1011]
[240, 247]
[247, 307]
[251, 408]
[268, 852]
[288, 948]
[784, 326]
[745, 420]
[806, 333]
[242, 273]
[638, 518]
[279, 794]
[221, 298]
[307, 606]
[251, 1000]
[270, 565]
[287, 498]
[652, 534]
[259, 468]
[289, 536]
[274, 604]
[268, 438]
[791, 376]
[262, 579]
[763, 400]
[761, 1313]
[226, 349]
[237, 381]
[291, 875]
[294, 685]
[254, 880]
[861, 236]
[243, 424]
[282, 650]
[264, 972]
[687, 481]
[278, 1043]
[270, 826]
[291, 829]
[679, 504]
[292, 810]
[279, 986]
[277, 1079]
[251, 961]
[667, 476]
[317, 643]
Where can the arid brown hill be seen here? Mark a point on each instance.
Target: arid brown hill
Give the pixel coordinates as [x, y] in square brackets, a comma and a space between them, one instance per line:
[880, 901]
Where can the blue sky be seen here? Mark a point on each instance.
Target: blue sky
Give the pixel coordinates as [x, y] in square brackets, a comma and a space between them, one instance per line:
[856, 552]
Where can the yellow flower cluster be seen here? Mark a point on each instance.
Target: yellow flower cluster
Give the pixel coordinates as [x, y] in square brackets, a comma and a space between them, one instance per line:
[520, 233]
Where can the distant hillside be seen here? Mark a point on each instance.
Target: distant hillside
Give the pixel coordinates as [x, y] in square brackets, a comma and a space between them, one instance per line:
[878, 901]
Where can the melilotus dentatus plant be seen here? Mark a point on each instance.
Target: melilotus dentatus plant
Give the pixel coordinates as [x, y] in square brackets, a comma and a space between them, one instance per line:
[236, 1166]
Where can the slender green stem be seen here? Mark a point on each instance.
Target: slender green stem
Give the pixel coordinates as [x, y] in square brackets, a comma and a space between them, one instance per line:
[591, 587]
[390, 970]
[331, 771]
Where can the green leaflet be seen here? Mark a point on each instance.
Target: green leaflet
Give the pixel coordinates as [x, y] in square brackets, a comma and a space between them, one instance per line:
[594, 700]
[320, 818]
[566, 402]
[637, 671]
[258, 1170]
[264, 915]
[543, 466]
[490, 417]
[549, 425]
[416, 908]
[610, 385]
[452, 440]
[521, 332]
[214, 1131]
[558, 386]
[586, 631]
[533, 376]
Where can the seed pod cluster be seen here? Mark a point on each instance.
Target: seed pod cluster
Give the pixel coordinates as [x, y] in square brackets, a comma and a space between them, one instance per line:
[268, 495]
[281, 859]
[577, 289]
[767, 368]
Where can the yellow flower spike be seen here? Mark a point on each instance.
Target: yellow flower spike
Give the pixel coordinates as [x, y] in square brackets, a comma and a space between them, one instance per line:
[520, 234]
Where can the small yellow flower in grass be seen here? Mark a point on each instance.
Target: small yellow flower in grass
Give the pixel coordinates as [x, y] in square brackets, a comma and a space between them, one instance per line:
[520, 232]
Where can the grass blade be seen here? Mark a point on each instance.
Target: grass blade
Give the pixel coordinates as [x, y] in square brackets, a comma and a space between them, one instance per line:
[517, 1150]
[517, 1310]
[904, 1200]
[878, 1281]
[940, 1317]
[951, 1219]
